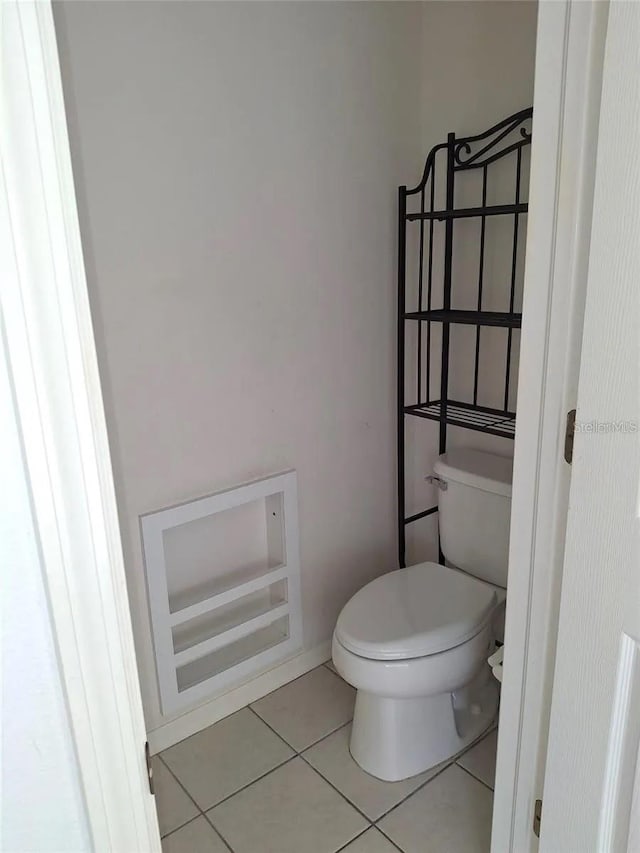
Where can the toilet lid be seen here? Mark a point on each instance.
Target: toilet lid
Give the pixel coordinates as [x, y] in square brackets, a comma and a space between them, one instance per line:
[413, 612]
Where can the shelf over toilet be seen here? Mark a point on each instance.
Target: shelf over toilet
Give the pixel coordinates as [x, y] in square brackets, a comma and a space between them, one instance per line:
[461, 244]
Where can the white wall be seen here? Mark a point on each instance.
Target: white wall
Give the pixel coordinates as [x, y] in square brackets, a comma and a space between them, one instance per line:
[477, 64]
[42, 803]
[237, 168]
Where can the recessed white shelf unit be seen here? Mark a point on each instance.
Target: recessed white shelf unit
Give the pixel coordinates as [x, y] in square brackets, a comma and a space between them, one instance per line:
[223, 575]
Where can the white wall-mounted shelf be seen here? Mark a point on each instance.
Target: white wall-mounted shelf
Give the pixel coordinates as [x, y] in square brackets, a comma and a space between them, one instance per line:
[223, 578]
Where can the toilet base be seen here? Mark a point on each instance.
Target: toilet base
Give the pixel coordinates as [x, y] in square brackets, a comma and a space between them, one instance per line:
[393, 739]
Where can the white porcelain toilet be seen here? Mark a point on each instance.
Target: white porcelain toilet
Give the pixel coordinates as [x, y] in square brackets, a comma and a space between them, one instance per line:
[415, 642]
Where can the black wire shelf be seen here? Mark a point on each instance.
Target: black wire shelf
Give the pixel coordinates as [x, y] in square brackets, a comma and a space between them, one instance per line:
[467, 212]
[479, 418]
[428, 277]
[470, 318]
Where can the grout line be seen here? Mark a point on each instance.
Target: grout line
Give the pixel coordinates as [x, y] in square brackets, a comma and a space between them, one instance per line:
[257, 779]
[491, 728]
[171, 773]
[390, 840]
[191, 820]
[324, 737]
[182, 825]
[277, 734]
[201, 813]
[286, 684]
[304, 748]
[228, 797]
[338, 791]
[248, 785]
[424, 784]
[218, 833]
[328, 734]
[450, 762]
[300, 754]
[374, 821]
[270, 727]
[355, 838]
[473, 776]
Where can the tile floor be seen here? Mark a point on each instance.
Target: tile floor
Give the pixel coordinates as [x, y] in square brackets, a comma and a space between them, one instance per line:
[277, 777]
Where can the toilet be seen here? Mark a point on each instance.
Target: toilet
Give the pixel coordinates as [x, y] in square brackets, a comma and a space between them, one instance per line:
[415, 642]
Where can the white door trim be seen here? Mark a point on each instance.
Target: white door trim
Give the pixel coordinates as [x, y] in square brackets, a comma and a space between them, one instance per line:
[591, 778]
[53, 367]
[569, 61]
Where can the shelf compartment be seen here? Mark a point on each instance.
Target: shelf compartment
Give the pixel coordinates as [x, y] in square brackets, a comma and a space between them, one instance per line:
[186, 614]
[229, 615]
[230, 636]
[264, 647]
[479, 418]
[468, 318]
[212, 553]
[467, 212]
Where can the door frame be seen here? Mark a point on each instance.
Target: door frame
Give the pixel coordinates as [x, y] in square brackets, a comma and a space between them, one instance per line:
[52, 358]
[48, 338]
[568, 83]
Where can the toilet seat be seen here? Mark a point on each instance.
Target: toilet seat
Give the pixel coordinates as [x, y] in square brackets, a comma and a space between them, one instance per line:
[414, 612]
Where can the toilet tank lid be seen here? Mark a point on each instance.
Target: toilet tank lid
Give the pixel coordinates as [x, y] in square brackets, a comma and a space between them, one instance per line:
[476, 468]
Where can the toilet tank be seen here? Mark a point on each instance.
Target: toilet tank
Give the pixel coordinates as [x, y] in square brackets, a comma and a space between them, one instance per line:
[474, 507]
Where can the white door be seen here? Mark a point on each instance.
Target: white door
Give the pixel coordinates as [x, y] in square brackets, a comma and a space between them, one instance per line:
[63, 516]
[592, 778]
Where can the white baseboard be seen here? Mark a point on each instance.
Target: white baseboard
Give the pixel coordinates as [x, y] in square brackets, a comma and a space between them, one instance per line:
[233, 700]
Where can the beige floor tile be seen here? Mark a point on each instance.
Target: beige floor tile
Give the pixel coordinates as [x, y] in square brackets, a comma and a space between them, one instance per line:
[292, 810]
[330, 665]
[309, 708]
[331, 757]
[173, 805]
[451, 814]
[223, 758]
[372, 841]
[195, 837]
[481, 759]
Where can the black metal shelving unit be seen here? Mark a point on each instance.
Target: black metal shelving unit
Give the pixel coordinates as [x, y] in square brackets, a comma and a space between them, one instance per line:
[468, 154]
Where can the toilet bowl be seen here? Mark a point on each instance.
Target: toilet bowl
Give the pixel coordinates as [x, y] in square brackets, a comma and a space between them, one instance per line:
[415, 642]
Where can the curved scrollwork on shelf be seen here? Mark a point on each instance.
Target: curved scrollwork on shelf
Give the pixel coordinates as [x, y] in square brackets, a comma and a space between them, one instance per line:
[511, 133]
